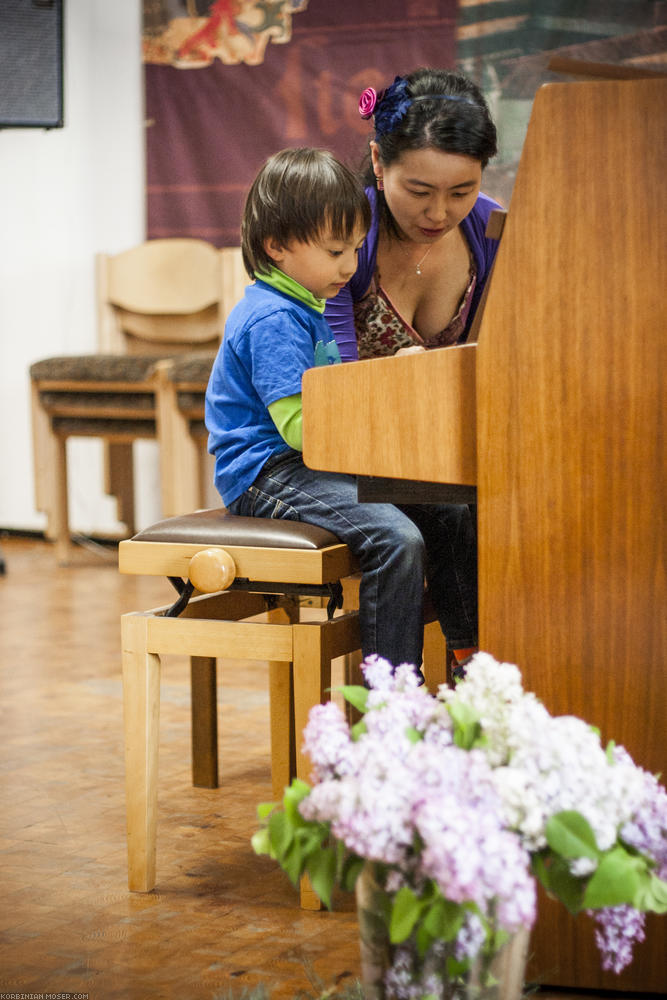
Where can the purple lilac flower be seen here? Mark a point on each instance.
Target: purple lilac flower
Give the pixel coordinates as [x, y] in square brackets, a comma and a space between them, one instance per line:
[369, 807]
[465, 847]
[619, 928]
[413, 977]
[647, 830]
[326, 740]
[378, 673]
[470, 938]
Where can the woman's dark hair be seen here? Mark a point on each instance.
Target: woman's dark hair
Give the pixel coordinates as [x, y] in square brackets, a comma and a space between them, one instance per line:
[296, 195]
[462, 125]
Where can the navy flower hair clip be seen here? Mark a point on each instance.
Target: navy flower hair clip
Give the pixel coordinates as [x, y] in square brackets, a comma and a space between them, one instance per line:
[390, 106]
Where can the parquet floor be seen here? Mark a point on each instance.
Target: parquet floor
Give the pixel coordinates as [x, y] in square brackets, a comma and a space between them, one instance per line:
[221, 919]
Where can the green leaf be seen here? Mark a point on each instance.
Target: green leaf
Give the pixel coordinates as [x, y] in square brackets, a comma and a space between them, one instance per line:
[413, 735]
[355, 695]
[404, 915]
[620, 877]
[280, 833]
[351, 870]
[467, 727]
[570, 835]
[321, 867]
[652, 896]
[444, 919]
[358, 729]
[261, 843]
[564, 885]
[265, 808]
[294, 795]
[423, 939]
[293, 863]
[538, 864]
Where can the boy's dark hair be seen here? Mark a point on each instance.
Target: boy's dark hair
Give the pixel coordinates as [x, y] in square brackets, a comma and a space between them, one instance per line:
[296, 195]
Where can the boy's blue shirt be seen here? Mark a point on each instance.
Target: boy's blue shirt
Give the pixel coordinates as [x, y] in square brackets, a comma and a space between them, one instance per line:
[271, 338]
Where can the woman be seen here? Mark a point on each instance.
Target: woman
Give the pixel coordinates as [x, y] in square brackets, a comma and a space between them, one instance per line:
[424, 264]
[421, 272]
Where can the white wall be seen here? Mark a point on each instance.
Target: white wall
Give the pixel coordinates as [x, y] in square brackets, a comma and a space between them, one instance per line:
[65, 195]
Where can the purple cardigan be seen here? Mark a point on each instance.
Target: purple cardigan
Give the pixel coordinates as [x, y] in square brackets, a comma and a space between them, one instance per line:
[339, 311]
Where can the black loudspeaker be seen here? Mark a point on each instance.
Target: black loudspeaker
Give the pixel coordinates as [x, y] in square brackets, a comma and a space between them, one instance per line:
[31, 64]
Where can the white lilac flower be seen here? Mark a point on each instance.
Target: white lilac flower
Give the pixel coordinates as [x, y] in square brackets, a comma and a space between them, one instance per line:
[544, 764]
[559, 764]
[493, 691]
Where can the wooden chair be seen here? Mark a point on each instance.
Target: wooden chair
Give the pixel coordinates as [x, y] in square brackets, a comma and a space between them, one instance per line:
[186, 469]
[227, 570]
[156, 300]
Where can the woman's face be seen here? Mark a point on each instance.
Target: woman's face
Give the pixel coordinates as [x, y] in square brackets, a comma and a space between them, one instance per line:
[429, 192]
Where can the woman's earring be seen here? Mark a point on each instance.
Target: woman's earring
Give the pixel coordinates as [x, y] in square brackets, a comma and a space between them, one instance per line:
[380, 184]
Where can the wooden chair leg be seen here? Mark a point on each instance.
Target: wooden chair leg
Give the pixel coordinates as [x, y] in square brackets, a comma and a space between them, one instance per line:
[283, 750]
[179, 452]
[435, 656]
[141, 709]
[312, 675]
[59, 521]
[204, 713]
[119, 480]
[281, 693]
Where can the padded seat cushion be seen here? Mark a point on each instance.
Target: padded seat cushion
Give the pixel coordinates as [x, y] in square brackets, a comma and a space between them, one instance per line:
[219, 527]
[95, 368]
[192, 369]
[61, 402]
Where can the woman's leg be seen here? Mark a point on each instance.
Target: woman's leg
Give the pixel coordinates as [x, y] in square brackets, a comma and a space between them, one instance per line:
[450, 538]
[388, 546]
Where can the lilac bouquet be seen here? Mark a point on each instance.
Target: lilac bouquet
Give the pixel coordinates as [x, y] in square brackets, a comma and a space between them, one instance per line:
[456, 804]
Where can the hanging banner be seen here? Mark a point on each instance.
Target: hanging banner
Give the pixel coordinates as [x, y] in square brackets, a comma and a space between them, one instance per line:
[230, 82]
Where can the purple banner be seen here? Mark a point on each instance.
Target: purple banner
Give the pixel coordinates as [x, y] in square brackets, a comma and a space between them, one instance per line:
[228, 88]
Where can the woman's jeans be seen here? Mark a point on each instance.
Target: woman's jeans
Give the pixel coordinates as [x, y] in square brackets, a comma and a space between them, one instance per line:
[397, 549]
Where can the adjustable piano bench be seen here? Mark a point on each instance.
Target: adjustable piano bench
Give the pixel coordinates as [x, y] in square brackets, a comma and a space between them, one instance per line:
[227, 570]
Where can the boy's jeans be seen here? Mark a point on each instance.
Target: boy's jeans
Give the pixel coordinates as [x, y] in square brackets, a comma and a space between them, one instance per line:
[396, 548]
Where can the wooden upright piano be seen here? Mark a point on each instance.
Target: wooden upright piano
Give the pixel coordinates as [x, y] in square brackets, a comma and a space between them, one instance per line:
[555, 416]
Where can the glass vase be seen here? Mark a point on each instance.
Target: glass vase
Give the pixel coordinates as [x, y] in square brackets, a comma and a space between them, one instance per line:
[410, 976]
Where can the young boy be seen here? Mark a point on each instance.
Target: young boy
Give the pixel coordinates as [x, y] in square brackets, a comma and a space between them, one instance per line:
[305, 219]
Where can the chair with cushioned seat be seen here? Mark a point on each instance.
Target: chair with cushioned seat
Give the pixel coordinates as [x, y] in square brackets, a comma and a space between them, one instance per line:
[227, 571]
[186, 469]
[155, 301]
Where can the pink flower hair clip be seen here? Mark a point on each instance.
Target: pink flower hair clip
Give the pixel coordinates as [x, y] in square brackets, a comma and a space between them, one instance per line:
[368, 102]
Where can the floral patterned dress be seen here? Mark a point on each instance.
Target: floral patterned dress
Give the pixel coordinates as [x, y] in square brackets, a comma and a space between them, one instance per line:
[381, 330]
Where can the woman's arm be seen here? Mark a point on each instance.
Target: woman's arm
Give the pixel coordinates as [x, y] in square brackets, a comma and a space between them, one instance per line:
[339, 312]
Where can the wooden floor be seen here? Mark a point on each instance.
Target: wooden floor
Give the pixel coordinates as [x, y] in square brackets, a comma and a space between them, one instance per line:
[221, 919]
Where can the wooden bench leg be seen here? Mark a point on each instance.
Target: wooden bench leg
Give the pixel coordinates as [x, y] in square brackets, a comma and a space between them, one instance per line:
[312, 675]
[204, 713]
[141, 710]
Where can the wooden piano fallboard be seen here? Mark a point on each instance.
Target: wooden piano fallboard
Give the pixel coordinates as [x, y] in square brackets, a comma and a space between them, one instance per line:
[410, 418]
